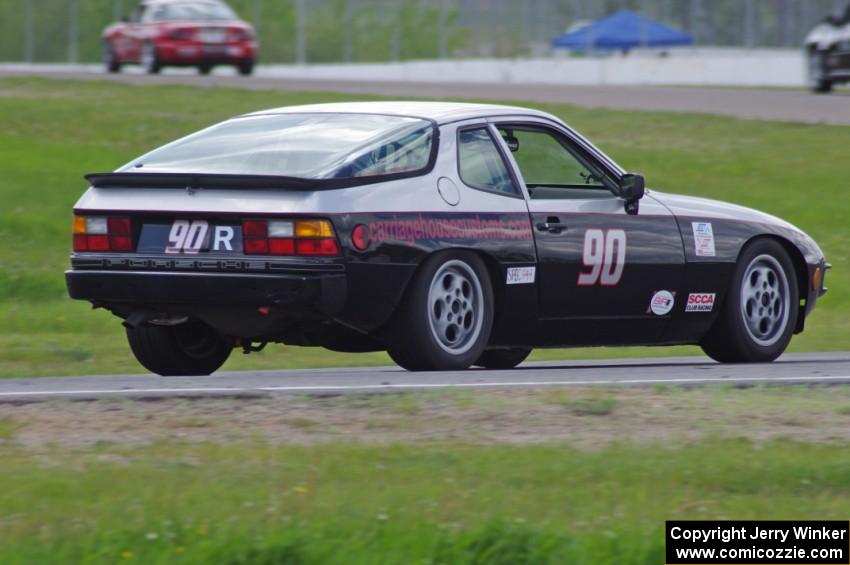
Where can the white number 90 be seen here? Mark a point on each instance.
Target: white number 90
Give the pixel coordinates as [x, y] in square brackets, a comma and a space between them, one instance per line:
[605, 255]
[187, 237]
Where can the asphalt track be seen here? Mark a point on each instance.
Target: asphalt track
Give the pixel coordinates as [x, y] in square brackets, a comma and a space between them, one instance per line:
[790, 105]
[801, 369]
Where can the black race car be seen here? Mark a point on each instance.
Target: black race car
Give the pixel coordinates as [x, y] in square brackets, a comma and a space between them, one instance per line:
[828, 52]
[449, 235]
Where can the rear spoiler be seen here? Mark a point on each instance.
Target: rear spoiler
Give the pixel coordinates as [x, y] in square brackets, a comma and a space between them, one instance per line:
[190, 181]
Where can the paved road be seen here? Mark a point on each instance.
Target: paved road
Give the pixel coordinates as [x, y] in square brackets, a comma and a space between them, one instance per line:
[767, 104]
[825, 368]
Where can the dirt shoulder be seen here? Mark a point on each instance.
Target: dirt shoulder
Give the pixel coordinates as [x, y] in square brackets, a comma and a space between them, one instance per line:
[586, 418]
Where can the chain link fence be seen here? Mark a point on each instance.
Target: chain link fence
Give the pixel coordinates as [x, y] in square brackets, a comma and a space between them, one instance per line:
[323, 31]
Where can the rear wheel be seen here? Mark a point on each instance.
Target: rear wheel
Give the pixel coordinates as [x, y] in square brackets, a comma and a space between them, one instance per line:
[760, 311]
[110, 59]
[503, 358]
[445, 319]
[187, 349]
[246, 68]
[150, 59]
[818, 78]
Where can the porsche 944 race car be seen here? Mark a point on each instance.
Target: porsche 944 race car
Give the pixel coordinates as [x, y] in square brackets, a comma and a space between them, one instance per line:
[449, 235]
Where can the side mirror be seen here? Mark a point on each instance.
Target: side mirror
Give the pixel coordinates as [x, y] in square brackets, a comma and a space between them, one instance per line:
[632, 189]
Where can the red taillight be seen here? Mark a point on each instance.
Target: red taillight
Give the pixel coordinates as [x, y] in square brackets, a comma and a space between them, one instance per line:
[282, 246]
[287, 237]
[255, 228]
[81, 242]
[317, 247]
[97, 233]
[118, 226]
[241, 34]
[256, 246]
[98, 243]
[120, 243]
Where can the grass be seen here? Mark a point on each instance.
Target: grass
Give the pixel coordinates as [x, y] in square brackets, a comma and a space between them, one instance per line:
[433, 503]
[55, 131]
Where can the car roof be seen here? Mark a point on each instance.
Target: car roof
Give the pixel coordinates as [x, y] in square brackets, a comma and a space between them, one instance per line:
[157, 2]
[440, 112]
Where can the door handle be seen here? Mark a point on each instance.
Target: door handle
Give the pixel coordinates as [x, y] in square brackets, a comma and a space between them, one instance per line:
[551, 225]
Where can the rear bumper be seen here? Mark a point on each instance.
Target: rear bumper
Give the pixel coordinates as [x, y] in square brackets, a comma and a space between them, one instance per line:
[189, 53]
[324, 293]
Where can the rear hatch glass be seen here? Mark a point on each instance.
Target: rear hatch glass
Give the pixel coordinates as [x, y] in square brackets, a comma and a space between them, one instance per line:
[299, 146]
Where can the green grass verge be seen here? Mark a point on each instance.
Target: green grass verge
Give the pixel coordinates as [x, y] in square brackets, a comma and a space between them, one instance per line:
[55, 131]
[256, 503]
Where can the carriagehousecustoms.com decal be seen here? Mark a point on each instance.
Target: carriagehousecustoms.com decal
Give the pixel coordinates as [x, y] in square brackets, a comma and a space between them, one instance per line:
[412, 229]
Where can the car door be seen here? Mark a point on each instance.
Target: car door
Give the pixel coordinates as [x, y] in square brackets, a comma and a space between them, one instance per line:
[134, 33]
[605, 276]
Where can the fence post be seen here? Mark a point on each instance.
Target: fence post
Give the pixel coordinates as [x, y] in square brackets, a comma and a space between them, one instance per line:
[442, 22]
[257, 17]
[300, 33]
[28, 33]
[348, 33]
[396, 41]
[73, 31]
[749, 24]
[695, 19]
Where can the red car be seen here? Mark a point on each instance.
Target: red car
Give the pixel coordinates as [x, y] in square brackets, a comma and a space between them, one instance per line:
[195, 33]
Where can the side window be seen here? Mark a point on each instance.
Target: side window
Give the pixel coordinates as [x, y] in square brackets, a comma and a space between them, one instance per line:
[150, 14]
[547, 164]
[136, 15]
[481, 164]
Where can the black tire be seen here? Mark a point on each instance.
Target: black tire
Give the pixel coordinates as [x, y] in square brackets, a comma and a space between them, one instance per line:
[110, 59]
[246, 68]
[187, 349]
[751, 328]
[150, 59]
[818, 77]
[503, 358]
[204, 69]
[446, 316]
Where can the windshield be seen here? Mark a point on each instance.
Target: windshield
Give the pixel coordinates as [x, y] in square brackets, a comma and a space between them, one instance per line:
[193, 11]
[310, 146]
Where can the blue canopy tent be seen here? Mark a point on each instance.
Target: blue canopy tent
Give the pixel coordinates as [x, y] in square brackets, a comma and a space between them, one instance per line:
[622, 31]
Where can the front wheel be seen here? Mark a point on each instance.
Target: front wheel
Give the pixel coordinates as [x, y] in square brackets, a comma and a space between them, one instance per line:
[445, 319]
[760, 311]
[150, 59]
[818, 78]
[110, 59]
[192, 348]
[503, 358]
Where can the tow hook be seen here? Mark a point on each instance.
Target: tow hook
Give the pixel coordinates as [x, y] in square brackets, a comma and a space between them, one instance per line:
[249, 347]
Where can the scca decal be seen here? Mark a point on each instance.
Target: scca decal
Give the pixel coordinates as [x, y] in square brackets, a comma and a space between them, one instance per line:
[412, 230]
[700, 302]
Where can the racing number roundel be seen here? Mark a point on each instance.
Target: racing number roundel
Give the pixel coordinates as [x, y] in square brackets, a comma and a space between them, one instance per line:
[604, 254]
